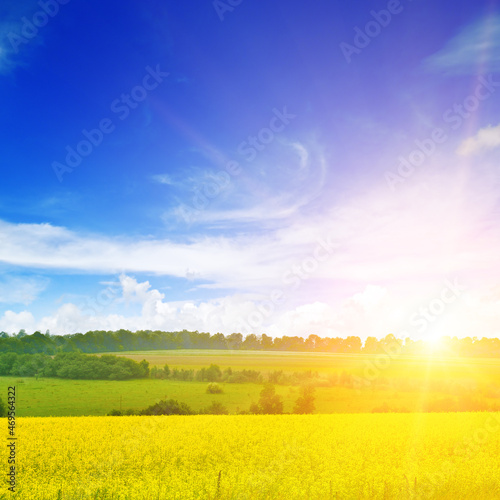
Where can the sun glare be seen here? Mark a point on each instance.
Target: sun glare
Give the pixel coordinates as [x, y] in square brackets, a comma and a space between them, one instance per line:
[434, 345]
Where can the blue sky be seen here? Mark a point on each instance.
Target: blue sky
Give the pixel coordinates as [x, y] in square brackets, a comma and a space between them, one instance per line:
[274, 167]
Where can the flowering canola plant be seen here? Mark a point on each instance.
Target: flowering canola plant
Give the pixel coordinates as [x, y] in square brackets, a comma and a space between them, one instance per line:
[258, 457]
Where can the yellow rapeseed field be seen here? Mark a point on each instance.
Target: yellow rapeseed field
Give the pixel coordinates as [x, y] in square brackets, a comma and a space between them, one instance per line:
[258, 457]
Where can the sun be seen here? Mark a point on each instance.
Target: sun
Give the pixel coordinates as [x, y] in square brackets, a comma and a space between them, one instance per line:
[433, 344]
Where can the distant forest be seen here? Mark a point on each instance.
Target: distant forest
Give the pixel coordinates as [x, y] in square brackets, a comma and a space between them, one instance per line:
[145, 340]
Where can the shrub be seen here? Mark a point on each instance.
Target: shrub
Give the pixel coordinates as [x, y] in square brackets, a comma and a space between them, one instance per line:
[216, 408]
[214, 388]
[168, 407]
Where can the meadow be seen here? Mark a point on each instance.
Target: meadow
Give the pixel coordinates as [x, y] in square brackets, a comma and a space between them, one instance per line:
[406, 382]
[400, 456]
[59, 397]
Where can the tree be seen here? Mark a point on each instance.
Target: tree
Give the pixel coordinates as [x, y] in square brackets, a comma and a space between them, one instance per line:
[235, 340]
[266, 342]
[216, 408]
[145, 367]
[3, 409]
[371, 345]
[251, 342]
[168, 407]
[305, 402]
[269, 403]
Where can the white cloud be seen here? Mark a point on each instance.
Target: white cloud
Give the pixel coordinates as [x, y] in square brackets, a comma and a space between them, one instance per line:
[163, 179]
[12, 322]
[475, 49]
[277, 188]
[381, 237]
[390, 251]
[485, 139]
[371, 311]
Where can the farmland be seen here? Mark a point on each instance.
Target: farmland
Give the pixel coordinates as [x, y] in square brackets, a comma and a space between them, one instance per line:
[344, 451]
[435, 367]
[404, 383]
[445, 456]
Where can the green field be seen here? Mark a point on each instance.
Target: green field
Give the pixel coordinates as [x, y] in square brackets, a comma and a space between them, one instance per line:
[58, 397]
[406, 383]
[485, 370]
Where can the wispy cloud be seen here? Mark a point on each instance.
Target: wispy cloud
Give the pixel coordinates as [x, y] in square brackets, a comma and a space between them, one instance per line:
[20, 289]
[380, 238]
[276, 190]
[163, 179]
[486, 139]
[390, 253]
[475, 49]
[14, 45]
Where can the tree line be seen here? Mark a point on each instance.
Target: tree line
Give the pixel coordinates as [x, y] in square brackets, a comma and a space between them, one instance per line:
[99, 341]
[72, 365]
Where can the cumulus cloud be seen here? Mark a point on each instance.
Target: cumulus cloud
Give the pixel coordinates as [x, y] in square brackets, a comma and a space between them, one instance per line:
[387, 252]
[371, 311]
[486, 139]
[12, 322]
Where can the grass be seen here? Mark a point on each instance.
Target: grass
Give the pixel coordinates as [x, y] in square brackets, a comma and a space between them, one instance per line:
[58, 397]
